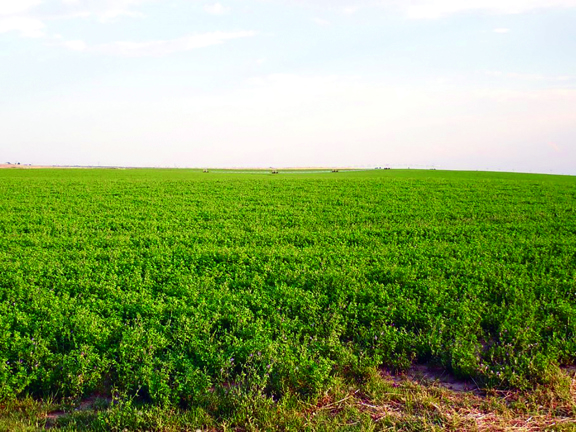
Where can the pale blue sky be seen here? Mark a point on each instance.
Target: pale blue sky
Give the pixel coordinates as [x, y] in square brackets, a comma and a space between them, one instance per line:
[488, 85]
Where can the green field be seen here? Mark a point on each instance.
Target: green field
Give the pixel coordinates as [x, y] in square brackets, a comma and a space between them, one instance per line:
[169, 287]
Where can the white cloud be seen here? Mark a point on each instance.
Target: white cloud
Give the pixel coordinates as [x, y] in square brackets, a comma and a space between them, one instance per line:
[501, 30]
[432, 9]
[554, 146]
[112, 14]
[538, 77]
[13, 17]
[103, 10]
[11, 7]
[349, 10]
[321, 22]
[22, 16]
[27, 27]
[217, 9]
[164, 47]
[530, 77]
[75, 45]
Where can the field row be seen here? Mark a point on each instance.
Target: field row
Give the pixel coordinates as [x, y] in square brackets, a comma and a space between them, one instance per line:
[171, 284]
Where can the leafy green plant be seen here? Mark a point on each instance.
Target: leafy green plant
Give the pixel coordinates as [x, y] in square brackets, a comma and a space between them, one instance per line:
[178, 289]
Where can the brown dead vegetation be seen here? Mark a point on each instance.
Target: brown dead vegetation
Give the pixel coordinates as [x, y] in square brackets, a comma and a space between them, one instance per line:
[427, 398]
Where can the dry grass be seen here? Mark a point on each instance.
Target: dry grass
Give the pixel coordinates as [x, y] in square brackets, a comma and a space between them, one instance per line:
[420, 400]
[414, 401]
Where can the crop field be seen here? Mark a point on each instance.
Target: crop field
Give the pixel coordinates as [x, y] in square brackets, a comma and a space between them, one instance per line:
[175, 288]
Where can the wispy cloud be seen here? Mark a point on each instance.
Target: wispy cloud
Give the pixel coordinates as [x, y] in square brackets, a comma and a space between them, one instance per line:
[26, 26]
[11, 7]
[160, 47]
[554, 146]
[349, 10]
[321, 22]
[103, 10]
[530, 77]
[14, 17]
[434, 9]
[431, 9]
[75, 45]
[217, 9]
[29, 17]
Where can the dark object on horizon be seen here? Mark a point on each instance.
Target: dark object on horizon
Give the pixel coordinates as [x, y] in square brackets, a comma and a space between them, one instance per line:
[205, 170]
[274, 171]
[335, 170]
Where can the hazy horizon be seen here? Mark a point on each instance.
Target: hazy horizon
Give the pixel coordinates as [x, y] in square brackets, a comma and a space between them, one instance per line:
[479, 85]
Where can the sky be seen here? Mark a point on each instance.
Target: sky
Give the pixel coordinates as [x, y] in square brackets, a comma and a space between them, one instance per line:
[446, 84]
